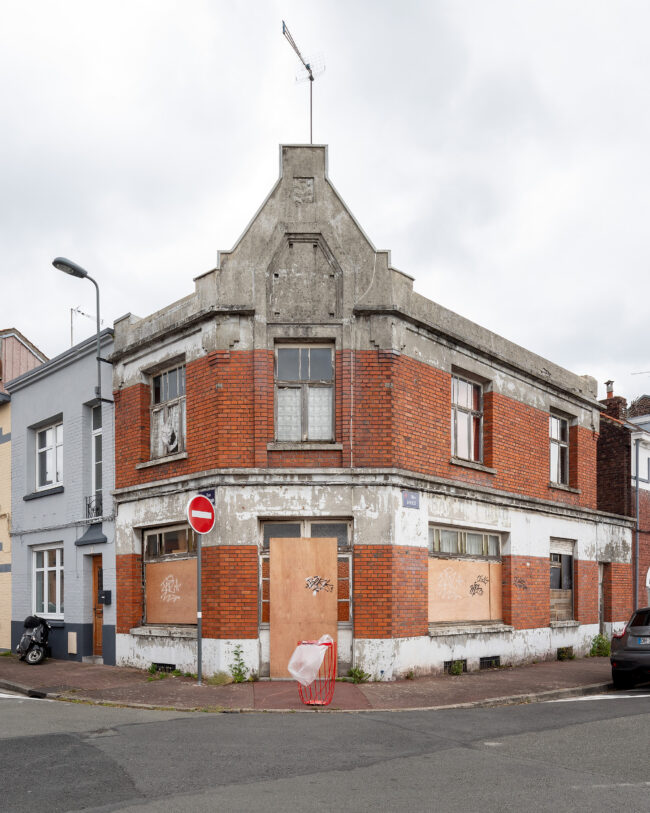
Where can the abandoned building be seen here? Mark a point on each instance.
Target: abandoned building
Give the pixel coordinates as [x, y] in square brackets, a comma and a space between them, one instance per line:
[383, 470]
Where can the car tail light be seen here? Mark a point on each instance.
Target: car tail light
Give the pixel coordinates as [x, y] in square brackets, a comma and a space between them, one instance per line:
[621, 633]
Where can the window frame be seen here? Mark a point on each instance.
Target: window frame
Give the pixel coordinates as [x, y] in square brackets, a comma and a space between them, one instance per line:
[434, 543]
[189, 553]
[475, 455]
[96, 433]
[54, 447]
[561, 475]
[163, 405]
[59, 578]
[304, 386]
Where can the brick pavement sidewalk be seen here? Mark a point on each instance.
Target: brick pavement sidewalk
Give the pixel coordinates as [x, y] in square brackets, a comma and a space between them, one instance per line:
[72, 680]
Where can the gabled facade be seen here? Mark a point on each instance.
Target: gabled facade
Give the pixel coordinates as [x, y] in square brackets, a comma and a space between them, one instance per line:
[17, 355]
[63, 554]
[382, 468]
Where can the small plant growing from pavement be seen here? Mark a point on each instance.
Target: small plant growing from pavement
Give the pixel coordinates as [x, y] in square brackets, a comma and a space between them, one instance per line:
[410, 675]
[600, 647]
[153, 669]
[358, 675]
[238, 668]
[456, 668]
[219, 679]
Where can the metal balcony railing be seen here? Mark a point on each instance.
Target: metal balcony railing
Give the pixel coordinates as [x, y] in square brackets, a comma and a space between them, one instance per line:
[94, 507]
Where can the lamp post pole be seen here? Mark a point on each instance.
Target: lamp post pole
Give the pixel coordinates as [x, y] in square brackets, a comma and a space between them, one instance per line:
[68, 267]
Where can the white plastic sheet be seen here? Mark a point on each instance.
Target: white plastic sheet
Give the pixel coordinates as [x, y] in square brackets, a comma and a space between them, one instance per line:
[307, 660]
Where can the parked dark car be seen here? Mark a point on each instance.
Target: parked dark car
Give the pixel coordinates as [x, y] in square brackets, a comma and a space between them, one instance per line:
[630, 656]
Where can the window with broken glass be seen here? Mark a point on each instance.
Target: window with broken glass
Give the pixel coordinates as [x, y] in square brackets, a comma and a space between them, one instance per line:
[466, 419]
[561, 582]
[301, 529]
[169, 543]
[304, 393]
[462, 542]
[558, 430]
[168, 412]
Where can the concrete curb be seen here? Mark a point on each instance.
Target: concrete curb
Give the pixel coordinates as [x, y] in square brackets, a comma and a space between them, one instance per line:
[509, 700]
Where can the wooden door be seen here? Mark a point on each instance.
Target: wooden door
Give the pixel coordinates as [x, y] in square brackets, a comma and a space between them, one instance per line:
[98, 609]
[303, 596]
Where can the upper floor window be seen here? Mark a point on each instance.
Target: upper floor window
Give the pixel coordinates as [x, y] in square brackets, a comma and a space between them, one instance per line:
[466, 419]
[558, 430]
[49, 456]
[95, 506]
[304, 387]
[172, 542]
[168, 412]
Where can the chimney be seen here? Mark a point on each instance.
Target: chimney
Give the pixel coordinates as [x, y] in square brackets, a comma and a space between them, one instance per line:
[610, 388]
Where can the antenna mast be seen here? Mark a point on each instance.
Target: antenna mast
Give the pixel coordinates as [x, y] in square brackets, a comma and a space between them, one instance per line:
[310, 67]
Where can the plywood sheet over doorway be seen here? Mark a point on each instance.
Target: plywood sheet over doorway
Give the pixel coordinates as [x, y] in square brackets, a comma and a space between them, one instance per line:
[300, 609]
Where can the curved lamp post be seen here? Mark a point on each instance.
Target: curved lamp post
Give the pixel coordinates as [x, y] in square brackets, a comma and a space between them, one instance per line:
[75, 270]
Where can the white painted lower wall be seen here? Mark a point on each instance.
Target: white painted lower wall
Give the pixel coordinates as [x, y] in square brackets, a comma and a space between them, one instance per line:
[388, 659]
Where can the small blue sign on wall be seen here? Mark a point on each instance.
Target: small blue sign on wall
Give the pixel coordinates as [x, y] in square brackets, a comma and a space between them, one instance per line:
[209, 493]
[410, 499]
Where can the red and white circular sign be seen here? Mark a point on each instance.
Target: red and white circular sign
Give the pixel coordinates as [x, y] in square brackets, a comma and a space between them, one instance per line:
[200, 513]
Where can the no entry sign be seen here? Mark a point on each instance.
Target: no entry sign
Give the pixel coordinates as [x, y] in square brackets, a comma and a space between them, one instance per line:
[200, 514]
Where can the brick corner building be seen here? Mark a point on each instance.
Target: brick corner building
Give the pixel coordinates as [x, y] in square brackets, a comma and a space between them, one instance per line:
[383, 469]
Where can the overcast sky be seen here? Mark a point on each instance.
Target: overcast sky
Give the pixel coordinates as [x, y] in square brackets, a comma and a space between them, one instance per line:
[500, 150]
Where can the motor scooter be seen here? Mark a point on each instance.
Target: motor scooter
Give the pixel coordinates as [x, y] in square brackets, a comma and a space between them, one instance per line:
[33, 646]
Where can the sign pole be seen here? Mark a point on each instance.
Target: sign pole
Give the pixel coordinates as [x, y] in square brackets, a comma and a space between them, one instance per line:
[199, 614]
[201, 516]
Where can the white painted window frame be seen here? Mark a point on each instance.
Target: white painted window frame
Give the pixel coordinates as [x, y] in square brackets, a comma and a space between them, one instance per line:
[54, 446]
[59, 569]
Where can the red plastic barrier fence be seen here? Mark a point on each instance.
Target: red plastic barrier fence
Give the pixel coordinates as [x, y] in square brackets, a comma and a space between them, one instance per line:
[321, 691]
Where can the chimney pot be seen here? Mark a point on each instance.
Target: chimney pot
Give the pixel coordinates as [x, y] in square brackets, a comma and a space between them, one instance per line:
[610, 388]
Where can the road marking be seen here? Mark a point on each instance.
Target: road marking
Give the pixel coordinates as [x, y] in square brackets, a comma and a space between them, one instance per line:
[613, 785]
[493, 744]
[4, 696]
[598, 697]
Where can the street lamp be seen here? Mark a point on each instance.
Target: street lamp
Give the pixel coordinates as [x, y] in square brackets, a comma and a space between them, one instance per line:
[68, 267]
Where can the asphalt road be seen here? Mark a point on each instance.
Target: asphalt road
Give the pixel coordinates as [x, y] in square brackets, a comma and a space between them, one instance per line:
[589, 755]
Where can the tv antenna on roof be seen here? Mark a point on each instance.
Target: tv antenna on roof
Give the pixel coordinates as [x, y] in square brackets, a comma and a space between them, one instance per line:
[311, 69]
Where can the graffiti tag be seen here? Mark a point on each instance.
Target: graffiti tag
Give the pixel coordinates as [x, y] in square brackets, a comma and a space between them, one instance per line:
[170, 589]
[476, 589]
[316, 584]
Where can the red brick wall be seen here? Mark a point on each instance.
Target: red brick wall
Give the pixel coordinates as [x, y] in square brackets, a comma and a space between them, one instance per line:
[230, 579]
[401, 419]
[390, 591]
[128, 591]
[526, 591]
[585, 591]
[617, 591]
[614, 463]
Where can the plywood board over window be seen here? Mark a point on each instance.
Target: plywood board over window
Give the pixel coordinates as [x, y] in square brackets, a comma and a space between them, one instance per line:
[303, 593]
[464, 590]
[171, 592]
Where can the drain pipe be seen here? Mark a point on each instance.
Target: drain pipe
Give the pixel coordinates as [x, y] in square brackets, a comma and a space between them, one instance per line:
[637, 444]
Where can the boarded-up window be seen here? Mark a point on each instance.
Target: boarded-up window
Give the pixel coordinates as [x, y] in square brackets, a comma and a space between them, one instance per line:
[561, 580]
[170, 576]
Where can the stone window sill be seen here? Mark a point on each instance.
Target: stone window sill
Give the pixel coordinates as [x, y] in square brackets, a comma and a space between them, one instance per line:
[288, 446]
[471, 464]
[45, 492]
[558, 625]
[164, 632]
[562, 487]
[438, 630]
[159, 461]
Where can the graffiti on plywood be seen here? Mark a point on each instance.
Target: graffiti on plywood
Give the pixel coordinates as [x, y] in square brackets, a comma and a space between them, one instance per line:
[450, 584]
[476, 589]
[316, 584]
[170, 589]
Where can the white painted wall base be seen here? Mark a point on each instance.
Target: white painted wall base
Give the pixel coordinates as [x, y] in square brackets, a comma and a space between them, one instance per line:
[388, 659]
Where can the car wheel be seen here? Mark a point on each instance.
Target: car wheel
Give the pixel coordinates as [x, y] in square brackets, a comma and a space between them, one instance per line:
[622, 680]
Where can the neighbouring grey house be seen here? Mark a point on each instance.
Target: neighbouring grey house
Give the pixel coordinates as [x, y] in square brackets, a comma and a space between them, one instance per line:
[63, 551]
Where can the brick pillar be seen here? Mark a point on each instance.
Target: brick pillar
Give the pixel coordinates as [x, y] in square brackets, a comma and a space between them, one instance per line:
[128, 591]
[585, 591]
[526, 591]
[264, 418]
[230, 591]
[618, 579]
[390, 591]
